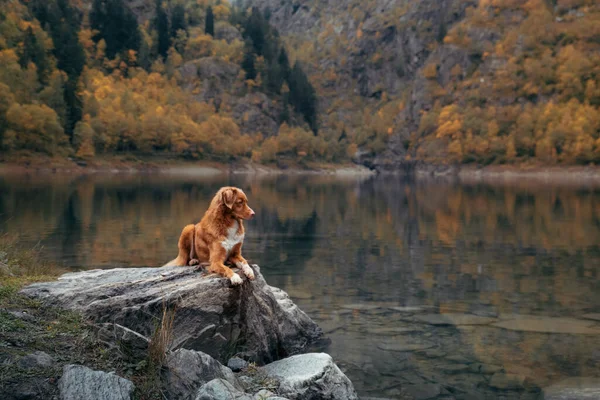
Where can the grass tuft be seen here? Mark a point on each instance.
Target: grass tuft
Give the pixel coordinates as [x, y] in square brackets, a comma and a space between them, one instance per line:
[19, 267]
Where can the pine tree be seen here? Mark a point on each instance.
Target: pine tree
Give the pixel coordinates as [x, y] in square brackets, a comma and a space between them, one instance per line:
[161, 23]
[177, 20]
[248, 61]
[35, 53]
[210, 22]
[284, 63]
[117, 25]
[303, 96]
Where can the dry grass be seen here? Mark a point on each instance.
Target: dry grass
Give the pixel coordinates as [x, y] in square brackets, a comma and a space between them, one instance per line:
[162, 337]
[20, 267]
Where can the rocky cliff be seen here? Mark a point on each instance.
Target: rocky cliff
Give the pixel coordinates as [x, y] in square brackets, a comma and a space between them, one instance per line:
[366, 55]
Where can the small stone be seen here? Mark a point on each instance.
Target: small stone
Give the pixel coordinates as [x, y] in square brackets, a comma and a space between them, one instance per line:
[263, 394]
[452, 369]
[407, 309]
[222, 390]
[433, 353]
[423, 392]
[593, 316]
[503, 381]
[534, 323]
[39, 359]
[580, 388]
[237, 364]
[404, 347]
[392, 331]
[22, 315]
[486, 369]
[459, 359]
[360, 307]
[454, 319]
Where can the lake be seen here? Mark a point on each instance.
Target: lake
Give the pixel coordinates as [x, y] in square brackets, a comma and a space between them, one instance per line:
[424, 289]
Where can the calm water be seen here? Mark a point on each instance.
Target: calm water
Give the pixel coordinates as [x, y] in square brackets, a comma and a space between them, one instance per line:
[422, 289]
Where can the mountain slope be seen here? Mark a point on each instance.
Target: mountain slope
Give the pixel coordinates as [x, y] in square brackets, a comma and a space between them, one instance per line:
[453, 81]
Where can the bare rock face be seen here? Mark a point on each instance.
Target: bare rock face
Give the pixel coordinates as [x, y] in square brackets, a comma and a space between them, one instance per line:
[80, 382]
[258, 322]
[310, 376]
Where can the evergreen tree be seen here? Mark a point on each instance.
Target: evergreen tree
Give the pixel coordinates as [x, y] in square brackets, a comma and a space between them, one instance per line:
[161, 23]
[35, 53]
[284, 64]
[63, 22]
[210, 22]
[303, 96]
[177, 20]
[256, 30]
[116, 24]
[274, 77]
[248, 61]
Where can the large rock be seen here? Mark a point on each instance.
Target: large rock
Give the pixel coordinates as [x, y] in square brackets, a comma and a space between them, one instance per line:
[255, 320]
[80, 382]
[310, 376]
[187, 370]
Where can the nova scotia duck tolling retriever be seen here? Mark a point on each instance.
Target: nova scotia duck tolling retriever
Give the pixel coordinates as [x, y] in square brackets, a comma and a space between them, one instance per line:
[218, 237]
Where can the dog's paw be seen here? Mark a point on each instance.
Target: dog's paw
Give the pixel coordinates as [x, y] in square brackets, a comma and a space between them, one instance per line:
[248, 271]
[193, 262]
[236, 280]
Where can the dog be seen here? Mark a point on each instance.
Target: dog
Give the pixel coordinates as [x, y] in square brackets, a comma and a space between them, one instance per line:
[218, 237]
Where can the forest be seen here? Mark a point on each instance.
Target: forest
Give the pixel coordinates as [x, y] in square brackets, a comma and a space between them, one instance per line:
[86, 83]
[208, 80]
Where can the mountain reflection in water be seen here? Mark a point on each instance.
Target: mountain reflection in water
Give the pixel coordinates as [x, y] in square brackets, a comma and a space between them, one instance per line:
[425, 290]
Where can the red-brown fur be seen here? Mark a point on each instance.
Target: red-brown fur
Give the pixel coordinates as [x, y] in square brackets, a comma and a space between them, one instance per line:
[204, 242]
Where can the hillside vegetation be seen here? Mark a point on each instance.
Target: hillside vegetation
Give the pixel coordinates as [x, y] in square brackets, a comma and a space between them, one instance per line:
[199, 80]
[380, 83]
[454, 80]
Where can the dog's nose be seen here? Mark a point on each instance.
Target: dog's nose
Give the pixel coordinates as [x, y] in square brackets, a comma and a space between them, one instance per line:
[252, 213]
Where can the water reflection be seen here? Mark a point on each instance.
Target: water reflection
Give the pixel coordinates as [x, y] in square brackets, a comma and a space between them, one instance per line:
[374, 262]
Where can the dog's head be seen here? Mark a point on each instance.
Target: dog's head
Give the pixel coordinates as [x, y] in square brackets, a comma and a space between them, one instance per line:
[234, 200]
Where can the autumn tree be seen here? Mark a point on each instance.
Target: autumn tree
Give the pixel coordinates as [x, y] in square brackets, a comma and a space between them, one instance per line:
[34, 127]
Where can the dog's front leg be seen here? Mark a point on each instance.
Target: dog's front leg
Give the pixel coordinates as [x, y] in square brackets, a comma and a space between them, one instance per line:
[217, 255]
[236, 259]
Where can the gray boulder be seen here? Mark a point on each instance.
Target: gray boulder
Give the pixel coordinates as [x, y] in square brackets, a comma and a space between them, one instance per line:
[187, 370]
[220, 389]
[80, 382]
[254, 320]
[310, 376]
[237, 364]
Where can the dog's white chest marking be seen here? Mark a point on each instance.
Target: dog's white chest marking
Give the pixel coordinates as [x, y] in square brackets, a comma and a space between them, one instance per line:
[233, 238]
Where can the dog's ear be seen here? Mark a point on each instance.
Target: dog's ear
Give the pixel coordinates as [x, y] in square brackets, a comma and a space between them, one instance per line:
[229, 196]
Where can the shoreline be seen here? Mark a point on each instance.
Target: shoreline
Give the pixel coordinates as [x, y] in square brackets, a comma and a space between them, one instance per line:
[462, 174]
[511, 175]
[192, 168]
